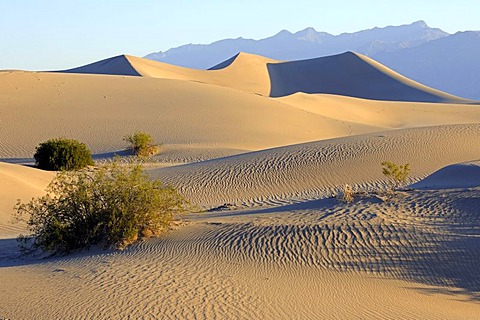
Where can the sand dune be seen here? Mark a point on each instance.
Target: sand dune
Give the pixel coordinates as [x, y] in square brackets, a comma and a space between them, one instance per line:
[193, 121]
[459, 175]
[350, 74]
[317, 169]
[274, 244]
[18, 182]
[203, 122]
[246, 72]
[119, 65]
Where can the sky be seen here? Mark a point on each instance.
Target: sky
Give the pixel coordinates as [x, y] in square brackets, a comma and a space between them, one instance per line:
[52, 35]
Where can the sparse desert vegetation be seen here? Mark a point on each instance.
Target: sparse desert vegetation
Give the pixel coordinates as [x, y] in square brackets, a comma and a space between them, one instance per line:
[112, 205]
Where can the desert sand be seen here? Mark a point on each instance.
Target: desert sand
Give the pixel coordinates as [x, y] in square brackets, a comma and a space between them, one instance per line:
[261, 157]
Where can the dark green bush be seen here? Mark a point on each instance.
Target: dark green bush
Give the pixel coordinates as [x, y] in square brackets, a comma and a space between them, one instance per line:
[112, 205]
[62, 154]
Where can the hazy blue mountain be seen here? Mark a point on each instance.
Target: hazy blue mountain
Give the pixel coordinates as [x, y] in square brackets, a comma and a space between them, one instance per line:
[450, 64]
[304, 44]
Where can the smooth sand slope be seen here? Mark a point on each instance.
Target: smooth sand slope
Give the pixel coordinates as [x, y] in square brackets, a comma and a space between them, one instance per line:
[383, 114]
[194, 121]
[317, 169]
[18, 182]
[197, 120]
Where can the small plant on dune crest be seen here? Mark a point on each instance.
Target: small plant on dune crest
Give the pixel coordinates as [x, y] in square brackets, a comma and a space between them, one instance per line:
[62, 154]
[142, 144]
[112, 205]
[396, 174]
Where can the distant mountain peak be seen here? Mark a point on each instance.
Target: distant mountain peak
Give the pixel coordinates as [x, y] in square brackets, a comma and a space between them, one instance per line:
[283, 32]
[420, 23]
[311, 35]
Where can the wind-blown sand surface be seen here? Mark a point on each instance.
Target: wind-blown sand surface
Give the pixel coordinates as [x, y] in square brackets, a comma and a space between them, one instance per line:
[413, 258]
[317, 169]
[275, 245]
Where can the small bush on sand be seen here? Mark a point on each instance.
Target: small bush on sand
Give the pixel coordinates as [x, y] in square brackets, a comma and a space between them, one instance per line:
[396, 174]
[346, 194]
[62, 154]
[142, 144]
[112, 205]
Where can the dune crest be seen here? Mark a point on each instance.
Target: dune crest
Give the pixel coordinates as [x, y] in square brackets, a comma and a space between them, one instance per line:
[244, 71]
[349, 74]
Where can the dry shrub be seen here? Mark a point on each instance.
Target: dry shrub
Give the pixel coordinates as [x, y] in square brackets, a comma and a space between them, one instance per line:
[346, 194]
[142, 144]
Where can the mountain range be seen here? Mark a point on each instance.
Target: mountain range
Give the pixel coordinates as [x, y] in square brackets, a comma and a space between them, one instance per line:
[448, 62]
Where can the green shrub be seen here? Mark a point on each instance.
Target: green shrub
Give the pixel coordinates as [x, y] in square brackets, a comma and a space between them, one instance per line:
[62, 154]
[142, 144]
[396, 174]
[112, 205]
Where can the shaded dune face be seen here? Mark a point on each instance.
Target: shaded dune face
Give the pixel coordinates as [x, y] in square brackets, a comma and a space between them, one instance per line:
[225, 63]
[349, 75]
[118, 65]
[460, 175]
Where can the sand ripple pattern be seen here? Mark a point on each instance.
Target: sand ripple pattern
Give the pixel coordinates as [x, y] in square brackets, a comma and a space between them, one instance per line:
[429, 237]
[242, 264]
[312, 170]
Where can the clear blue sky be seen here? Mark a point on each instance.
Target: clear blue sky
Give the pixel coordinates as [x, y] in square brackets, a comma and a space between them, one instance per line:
[48, 34]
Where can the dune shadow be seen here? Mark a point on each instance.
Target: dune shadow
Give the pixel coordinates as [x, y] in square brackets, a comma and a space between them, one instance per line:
[453, 262]
[224, 211]
[24, 161]
[111, 155]
[344, 74]
[11, 256]
[97, 157]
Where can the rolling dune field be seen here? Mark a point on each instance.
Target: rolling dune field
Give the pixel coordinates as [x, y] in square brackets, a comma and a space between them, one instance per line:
[261, 148]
